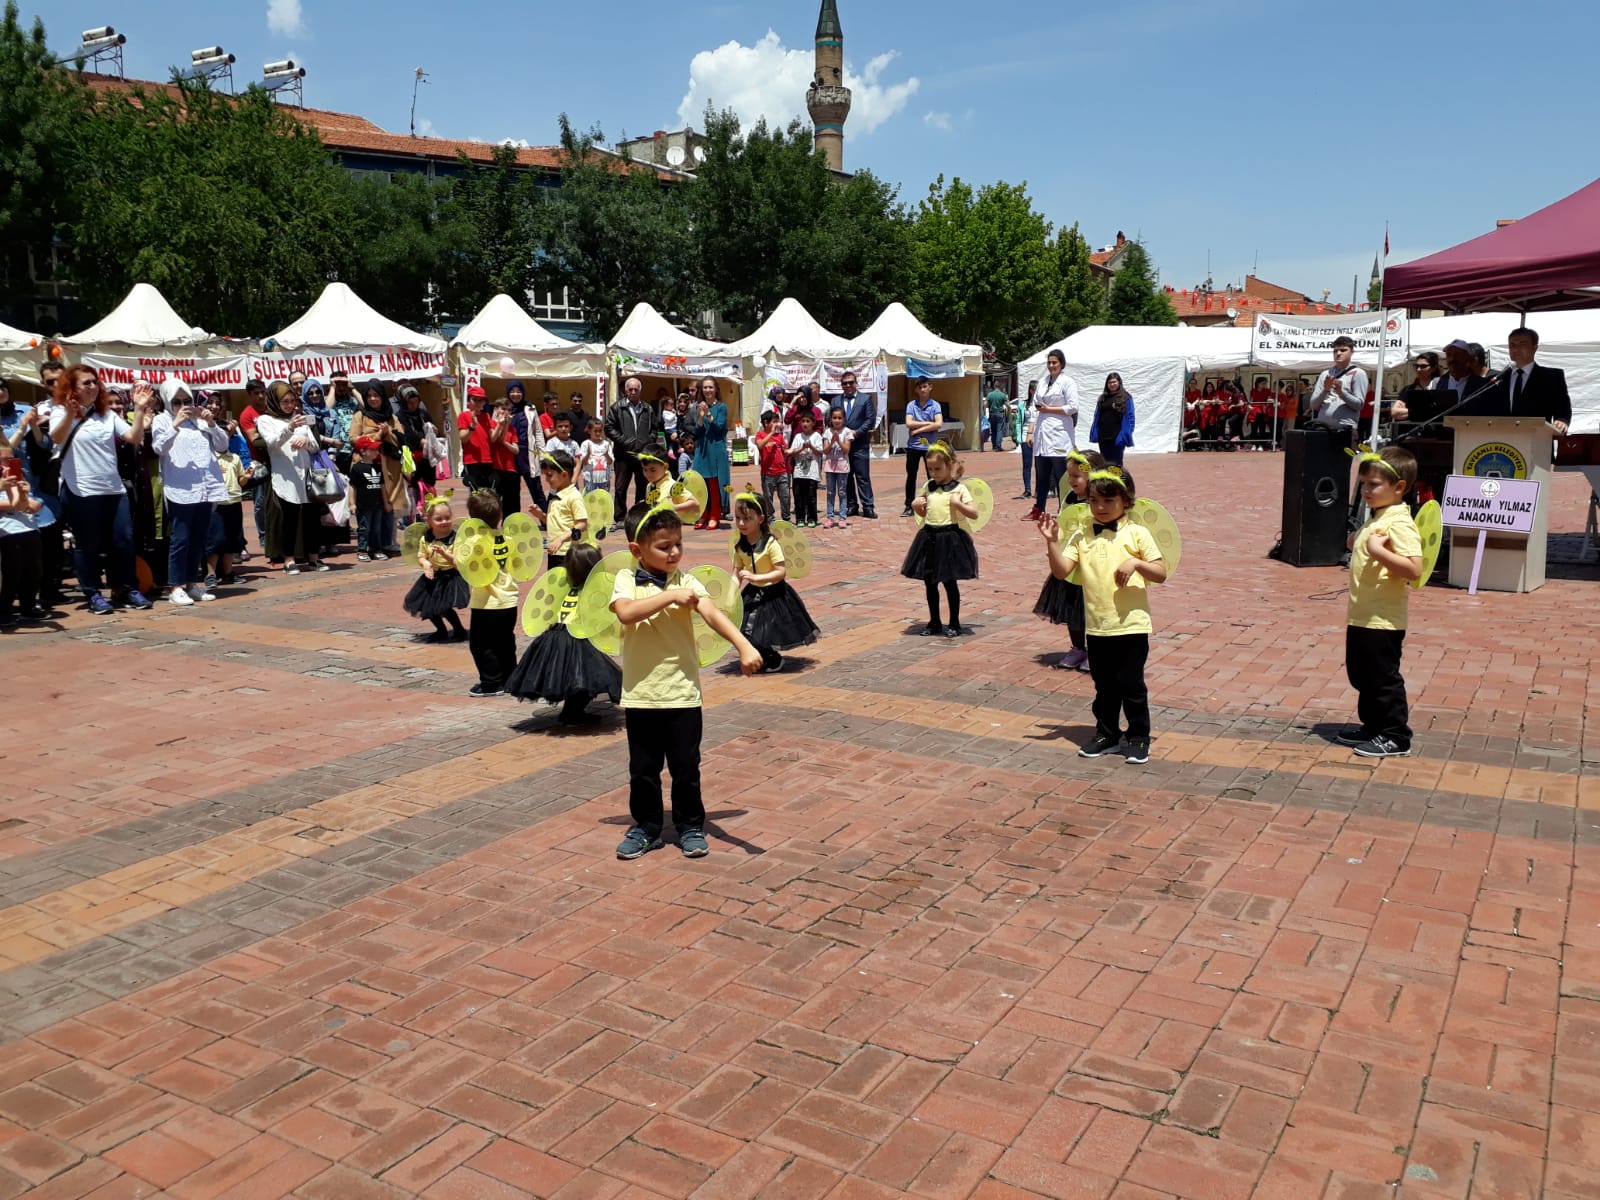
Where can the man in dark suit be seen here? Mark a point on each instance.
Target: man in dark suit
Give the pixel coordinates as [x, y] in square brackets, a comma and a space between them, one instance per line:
[1526, 389]
[861, 418]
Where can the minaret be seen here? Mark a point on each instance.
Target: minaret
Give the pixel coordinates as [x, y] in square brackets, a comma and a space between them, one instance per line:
[828, 100]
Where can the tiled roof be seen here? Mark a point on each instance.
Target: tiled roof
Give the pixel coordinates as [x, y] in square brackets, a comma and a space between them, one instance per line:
[1212, 307]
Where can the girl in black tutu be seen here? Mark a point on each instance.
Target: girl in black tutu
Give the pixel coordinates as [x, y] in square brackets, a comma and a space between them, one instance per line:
[561, 669]
[440, 590]
[1061, 602]
[775, 618]
[942, 552]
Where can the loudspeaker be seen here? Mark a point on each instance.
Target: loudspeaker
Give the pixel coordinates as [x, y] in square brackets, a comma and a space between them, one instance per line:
[1316, 502]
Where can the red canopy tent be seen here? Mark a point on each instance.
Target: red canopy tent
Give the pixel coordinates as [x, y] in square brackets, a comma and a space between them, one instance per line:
[1550, 260]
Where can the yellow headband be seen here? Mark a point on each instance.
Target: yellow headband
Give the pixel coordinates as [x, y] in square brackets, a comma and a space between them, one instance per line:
[550, 460]
[1369, 459]
[1109, 475]
[943, 447]
[645, 456]
[748, 496]
[1077, 456]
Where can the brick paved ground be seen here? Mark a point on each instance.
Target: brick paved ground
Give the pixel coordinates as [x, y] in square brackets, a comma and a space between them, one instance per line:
[287, 914]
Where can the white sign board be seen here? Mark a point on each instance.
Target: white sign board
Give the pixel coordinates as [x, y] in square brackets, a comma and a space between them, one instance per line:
[1492, 504]
[1306, 343]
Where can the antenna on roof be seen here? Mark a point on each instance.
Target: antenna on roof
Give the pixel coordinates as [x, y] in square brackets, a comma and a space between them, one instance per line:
[102, 44]
[420, 79]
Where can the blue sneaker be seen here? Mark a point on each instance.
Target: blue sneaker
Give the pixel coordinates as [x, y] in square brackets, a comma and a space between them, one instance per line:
[100, 606]
[692, 842]
[136, 599]
[636, 843]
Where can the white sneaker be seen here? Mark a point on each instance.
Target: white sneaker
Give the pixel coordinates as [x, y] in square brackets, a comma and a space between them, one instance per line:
[197, 591]
[180, 597]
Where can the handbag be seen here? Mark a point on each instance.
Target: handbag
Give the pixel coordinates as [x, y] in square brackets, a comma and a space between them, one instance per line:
[322, 481]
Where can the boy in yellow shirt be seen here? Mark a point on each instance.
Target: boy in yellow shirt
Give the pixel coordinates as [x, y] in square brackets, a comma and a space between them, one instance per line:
[492, 632]
[1385, 556]
[661, 679]
[566, 521]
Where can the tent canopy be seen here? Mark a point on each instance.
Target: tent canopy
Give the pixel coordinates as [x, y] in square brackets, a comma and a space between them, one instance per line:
[144, 318]
[1550, 260]
[792, 332]
[16, 339]
[505, 327]
[647, 332]
[897, 332]
[1203, 348]
[341, 320]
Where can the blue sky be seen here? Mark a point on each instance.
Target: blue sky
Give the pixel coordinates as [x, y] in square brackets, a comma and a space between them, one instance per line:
[1274, 135]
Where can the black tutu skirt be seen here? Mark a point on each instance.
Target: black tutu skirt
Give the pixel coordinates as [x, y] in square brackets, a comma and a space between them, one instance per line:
[430, 598]
[1060, 603]
[941, 553]
[775, 617]
[558, 664]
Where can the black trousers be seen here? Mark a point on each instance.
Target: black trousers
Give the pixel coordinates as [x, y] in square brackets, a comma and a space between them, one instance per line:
[805, 500]
[1116, 664]
[1372, 664]
[628, 471]
[508, 485]
[858, 485]
[20, 570]
[667, 737]
[492, 638]
[914, 458]
[535, 486]
[1048, 472]
[52, 561]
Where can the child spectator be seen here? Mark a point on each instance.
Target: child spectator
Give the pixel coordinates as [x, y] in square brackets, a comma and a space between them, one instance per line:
[366, 485]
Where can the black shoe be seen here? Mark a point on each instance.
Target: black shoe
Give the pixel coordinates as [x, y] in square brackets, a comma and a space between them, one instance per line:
[1136, 751]
[459, 635]
[1099, 746]
[931, 629]
[482, 692]
[1352, 735]
[870, 516]
[437, 637]
[35, 612]
[1024, 496]
[908, 512]
[1382, 747]
[953, 631]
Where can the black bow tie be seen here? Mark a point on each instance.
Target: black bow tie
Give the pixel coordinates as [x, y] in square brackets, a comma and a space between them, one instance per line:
[1108, 528]
[642, 577]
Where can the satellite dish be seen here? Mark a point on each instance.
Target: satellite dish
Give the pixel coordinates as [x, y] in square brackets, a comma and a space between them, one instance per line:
[675, 156]
[700, 154]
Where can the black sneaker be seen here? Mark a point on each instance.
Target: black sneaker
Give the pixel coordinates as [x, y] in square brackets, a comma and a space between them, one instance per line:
[459, 635]
[869, 516]
[1352, 735]
[482, 692]
[932, 629]
[1382, 747]
[953, 631]
[908, 513]
[692, 842]
[1099, 746]
[1136, 751]
[636, 843]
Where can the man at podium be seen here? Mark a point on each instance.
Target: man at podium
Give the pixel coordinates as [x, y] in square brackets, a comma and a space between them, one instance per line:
[1526, 389]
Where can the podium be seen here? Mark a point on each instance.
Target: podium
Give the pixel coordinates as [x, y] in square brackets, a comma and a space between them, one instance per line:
[1505, 448]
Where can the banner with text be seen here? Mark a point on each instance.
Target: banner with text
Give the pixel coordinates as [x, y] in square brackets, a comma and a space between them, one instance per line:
[221, 374]
[362, 365]
[683, 365]
[1305, 343]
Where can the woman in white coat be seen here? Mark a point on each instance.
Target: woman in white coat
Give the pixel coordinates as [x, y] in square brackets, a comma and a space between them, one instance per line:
[188, 439]
[1055, 431]
[294, 520]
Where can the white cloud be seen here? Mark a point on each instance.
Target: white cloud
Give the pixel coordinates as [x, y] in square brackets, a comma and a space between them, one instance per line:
[769, 80]
[937, 120]
[284, 17]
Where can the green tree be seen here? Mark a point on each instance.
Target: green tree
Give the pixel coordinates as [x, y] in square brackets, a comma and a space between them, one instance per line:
[494, 220]
[984, 264]
[772, 221]
[1074, 300]
[1375, 292]
[229, 205]
[40, 103]
[1135, 297]
[616, 233]
[409, 244]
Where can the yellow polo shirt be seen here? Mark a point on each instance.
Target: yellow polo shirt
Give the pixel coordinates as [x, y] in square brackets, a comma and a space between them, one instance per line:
[1377, 598]
[1109, 610]
[767, 558]
[939, 503]
[660, 667]
[563, 515]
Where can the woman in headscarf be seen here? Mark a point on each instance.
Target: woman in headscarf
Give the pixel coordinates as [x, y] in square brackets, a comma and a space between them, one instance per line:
[377, 420]
[294, 520]
[1112, 427]
[188, 440]
[416, 433]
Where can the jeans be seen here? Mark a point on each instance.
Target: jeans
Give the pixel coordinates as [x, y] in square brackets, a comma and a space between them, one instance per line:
[1027, 466]
[101, 525]
[805, 500]
[858, 491]
[370, 531]
[914, 457]
[667, 737]
[188, 529]
[1372, 664]
[1117, 666]
[776, 485]
[997, 431]
[837, 490]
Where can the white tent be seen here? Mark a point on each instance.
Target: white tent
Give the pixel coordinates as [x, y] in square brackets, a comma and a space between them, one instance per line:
[20, 356]
[791, 334]
[647, 333]
[898, 337]
[1154, 361]
[665, 357]
[144, 320]
[541, 359]
[341, 322]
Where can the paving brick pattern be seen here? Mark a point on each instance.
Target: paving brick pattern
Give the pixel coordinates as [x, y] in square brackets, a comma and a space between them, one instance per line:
[283, 913]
